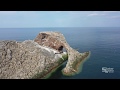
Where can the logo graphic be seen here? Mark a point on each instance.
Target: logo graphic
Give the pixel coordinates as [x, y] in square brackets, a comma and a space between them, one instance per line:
[107, 70]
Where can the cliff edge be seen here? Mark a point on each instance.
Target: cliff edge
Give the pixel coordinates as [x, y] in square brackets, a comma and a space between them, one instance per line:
[36, 58]
[26, 60]
[57, 41]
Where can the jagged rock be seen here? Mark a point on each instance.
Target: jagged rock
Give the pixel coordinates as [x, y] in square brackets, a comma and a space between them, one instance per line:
[26, 60]
[57, 41]
[36, 58]
[49, 39]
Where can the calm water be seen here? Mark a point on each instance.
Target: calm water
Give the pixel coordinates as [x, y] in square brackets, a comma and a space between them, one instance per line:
[104, 44]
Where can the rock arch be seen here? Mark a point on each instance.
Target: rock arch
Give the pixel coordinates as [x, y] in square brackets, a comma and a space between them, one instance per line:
[57, 41]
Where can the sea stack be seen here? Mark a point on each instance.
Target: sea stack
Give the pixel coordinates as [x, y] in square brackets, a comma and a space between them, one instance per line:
[37, 58]
[57, 41]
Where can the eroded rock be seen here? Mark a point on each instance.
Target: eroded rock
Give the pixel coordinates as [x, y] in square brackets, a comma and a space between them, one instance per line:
[36, 58]
[57, 41]
[26, 60]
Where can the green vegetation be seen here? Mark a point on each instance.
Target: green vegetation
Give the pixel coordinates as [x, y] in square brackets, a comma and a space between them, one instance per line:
[47, 74]
[78, 64]
[37, 75]
[60, 62]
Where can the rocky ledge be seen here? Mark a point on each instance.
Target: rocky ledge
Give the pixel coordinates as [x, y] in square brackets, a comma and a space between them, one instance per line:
[36, 58]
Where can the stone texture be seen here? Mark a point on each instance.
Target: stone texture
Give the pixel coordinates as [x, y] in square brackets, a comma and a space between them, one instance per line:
[49, 39]
[26, 59]
[57, 41]
[36, 58]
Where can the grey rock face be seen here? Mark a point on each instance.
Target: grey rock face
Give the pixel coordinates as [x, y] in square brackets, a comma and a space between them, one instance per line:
[25, 60]
[36, 58]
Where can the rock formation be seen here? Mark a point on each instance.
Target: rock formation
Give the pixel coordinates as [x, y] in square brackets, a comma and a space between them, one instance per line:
[57, 41]
[27, 60]
[36, 58]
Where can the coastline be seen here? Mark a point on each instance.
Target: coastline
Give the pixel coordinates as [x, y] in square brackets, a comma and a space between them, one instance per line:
[38, 58]
[77, 64]
[46, 75]
[80, 64]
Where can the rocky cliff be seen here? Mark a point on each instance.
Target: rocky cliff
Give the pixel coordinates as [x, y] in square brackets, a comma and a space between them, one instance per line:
[27, 60]
[36, 58]
[57, 41]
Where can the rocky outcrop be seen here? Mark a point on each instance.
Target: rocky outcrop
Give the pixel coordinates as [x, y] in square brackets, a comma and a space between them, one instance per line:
[36, 58]
[57, 41]
[27, 60]
[50, 39]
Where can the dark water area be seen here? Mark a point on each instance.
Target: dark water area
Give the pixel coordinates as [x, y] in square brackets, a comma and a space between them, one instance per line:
[103, 42]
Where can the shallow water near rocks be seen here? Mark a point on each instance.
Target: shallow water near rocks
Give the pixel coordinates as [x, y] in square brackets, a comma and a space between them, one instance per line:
[104, 44]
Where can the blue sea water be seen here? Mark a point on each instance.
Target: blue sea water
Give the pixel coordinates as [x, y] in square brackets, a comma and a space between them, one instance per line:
[103, 42]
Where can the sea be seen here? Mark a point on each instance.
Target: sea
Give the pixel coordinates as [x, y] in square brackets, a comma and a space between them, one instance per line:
[102, 42]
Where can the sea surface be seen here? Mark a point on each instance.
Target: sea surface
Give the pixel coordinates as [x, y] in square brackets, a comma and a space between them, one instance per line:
[103, 42]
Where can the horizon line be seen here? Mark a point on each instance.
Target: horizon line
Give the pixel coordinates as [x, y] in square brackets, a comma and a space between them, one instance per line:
[55, 27]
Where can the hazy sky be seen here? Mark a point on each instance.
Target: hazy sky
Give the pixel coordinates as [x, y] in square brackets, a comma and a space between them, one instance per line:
[22, 19]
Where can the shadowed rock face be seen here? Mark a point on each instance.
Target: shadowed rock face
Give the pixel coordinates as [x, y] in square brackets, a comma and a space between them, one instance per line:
[57, 41]
[26, 60]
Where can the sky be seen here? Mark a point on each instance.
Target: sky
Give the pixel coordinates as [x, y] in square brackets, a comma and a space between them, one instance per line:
[35, 19]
